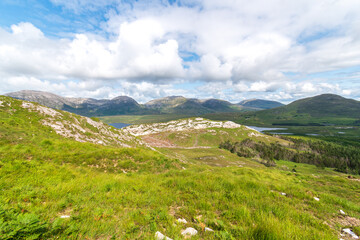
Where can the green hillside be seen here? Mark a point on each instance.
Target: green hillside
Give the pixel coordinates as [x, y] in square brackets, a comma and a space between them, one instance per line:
[260, 104]
[72, 186]
[319, 110]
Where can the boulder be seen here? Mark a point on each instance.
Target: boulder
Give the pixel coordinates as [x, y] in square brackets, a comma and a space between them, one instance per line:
[189, 232]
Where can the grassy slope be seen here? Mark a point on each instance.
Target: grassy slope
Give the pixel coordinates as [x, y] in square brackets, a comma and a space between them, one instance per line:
[139, 119]
[318, 110]
[43, 176]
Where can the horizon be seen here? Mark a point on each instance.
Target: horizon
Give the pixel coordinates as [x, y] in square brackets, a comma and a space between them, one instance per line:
[202, 99]
[234, 51]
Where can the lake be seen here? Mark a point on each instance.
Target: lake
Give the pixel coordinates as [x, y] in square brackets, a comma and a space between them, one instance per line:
[119, 125]
[262, 129]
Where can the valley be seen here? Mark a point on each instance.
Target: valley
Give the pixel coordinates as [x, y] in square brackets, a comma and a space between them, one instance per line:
[67, 176]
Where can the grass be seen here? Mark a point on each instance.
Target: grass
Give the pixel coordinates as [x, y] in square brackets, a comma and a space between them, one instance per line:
[130, 193]
[238, 203]
[139, 119]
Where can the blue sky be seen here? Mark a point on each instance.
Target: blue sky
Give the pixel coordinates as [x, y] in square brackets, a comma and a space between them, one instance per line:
[232, 50]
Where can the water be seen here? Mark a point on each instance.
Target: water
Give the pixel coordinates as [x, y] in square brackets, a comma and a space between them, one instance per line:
[262, 129]
[119, 125]
[281, 133]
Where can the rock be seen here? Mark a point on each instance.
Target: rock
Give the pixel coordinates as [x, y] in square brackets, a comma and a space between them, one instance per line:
[208, 229]
[182, 220]
[351, 233]
[284, 194]
[342, 212]
[65, 216]
[317, 199]
[160, 236]
[189, 231]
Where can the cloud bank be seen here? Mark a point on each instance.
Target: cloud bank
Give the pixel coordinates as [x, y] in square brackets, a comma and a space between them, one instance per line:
[231, 49]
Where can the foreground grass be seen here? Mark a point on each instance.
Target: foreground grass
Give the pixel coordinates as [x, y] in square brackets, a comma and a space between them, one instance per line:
[238, 203]
[120, 193]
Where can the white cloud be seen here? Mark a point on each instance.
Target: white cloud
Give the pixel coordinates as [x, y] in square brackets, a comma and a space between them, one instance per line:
[135, 53]
[244, 46]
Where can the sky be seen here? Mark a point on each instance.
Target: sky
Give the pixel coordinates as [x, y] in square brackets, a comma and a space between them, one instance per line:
[229, 49]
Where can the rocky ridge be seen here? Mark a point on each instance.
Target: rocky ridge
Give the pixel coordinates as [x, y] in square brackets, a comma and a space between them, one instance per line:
[79, 128]
[178, 125]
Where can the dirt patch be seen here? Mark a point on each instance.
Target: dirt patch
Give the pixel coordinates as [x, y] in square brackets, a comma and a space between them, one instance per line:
[348, 221]
[343, 222]
[155, 142]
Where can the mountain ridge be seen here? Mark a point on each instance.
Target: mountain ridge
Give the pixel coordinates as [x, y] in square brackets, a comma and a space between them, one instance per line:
[124, 105]
[324, 109]
[260, 103]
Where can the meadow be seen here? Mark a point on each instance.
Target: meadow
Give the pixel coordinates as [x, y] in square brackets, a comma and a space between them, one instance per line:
[58, 188]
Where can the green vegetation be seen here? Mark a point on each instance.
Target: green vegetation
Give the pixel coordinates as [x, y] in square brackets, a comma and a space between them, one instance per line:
[319, 153]
[322, 110]
[57, 188]
[140, 119]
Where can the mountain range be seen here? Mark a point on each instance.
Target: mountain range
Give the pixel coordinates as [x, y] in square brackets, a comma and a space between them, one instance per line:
[123, 105]
[323, 109]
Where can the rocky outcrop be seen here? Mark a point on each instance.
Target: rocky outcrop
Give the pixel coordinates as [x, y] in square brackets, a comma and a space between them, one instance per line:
[178, 125]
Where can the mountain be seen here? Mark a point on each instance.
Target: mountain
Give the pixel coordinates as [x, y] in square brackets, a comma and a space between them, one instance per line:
[323, 109]
[191, 106]
[166, 102]
[84, 106]
[46, 98]
[260, 104]
[124, 105]
[325, 105]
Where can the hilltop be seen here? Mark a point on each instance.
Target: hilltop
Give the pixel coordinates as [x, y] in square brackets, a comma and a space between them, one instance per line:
[260, 104]
[320, 110]
[48, 121]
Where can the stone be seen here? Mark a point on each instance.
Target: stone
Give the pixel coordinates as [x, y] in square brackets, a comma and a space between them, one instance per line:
[189, 231]
[160, 236]
[182, 220]
[351, 233]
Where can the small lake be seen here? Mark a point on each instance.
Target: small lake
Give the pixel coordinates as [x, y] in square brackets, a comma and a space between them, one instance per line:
[267, 129]
[262, 129]
[119, 125]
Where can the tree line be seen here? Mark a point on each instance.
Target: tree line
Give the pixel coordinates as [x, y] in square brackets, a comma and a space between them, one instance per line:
[320, 153]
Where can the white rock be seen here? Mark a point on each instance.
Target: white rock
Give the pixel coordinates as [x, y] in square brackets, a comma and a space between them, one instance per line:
[65, 216]
[160, 236]
[317, 199]
[182, 220]
[208, 229]
[284, 194]
[351, 233]
[342, 212]
[189, 231]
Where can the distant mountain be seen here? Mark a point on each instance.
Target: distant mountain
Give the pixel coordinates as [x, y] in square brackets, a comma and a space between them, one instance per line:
[260, 104]
[325, 105]
[84, 106]
[319, 110]
[124, 105]
[191, 106]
